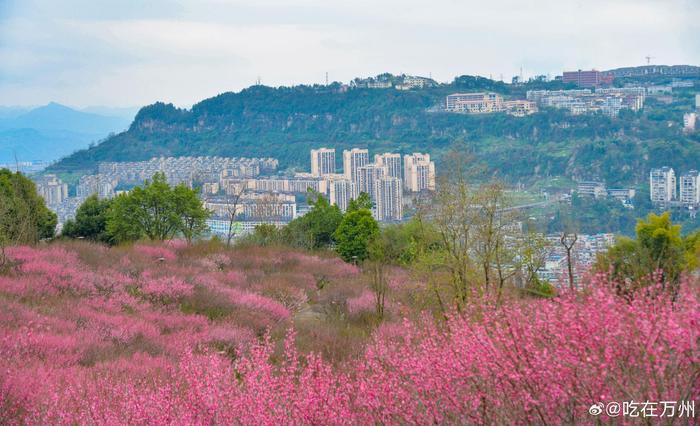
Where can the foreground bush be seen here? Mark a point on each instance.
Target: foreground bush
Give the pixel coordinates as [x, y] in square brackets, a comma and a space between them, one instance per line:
[533, 361]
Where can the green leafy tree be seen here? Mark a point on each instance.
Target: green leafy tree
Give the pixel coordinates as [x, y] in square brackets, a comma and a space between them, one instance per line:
[90, 221]
[264, 235]
[363, 201]
[355, 233]
[692, 250]
[193, 217]
[24, 217]
[659, 247]
[316, 228]
[156, 211]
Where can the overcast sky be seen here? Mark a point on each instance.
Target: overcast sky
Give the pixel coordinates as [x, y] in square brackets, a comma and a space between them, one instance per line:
[135, 52]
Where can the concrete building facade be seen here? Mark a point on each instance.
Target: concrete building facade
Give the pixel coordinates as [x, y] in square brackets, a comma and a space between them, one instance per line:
[322, 161]
[662, 185]
[352, 161]
[419, 172]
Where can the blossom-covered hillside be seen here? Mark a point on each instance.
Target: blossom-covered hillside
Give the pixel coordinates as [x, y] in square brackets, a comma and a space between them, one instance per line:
[171, 334]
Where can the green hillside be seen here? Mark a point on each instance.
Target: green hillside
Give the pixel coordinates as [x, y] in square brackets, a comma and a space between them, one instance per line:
[286, 122]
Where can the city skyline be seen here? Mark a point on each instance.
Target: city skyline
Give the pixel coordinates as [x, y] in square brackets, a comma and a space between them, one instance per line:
[84, 53]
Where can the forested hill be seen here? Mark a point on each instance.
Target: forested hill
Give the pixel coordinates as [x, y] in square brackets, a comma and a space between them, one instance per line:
[286, 122]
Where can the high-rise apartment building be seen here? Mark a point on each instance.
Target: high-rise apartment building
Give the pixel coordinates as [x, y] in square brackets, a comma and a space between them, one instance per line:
[388, 203]
[340, 191]
[352, 161]
[367, 177]
[322, 161]
[662, 185]
[419, 172]
[98, 184]
[51, 189]
[392, 163]
[690, 188]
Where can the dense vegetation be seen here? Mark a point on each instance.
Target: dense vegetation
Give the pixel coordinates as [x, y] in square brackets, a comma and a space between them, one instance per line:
[155, 211]
[96, 335]
[286, 122]
[24, 217]
[439, 320]
[658, 254]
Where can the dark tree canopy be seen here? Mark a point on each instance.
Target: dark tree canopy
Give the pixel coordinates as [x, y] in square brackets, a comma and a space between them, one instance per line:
[90, 221]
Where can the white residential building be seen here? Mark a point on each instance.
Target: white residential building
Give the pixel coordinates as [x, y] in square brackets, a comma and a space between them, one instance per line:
[98, 184]
[689, 120]
[392, 163]
[367, 176]
[690, 188]
[220, 226]
[352, 161]
[662, 185]
[419, 172]
[322, 161]
[341, 191]
[388, 199]
[51, 189]
[474, 103]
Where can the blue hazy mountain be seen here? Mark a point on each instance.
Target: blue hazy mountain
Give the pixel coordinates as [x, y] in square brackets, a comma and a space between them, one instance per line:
[53, 131]
[7, 112]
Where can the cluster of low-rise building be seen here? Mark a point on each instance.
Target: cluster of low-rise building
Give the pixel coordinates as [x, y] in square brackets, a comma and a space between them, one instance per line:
[177, 170]
[598, 190]
[583, 254]
[666, 190]
[387, 81]
[608, 101]
[487, 103]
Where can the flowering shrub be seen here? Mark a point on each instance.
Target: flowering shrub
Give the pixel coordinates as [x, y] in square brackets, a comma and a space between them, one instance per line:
[156, 252]
[166, 290]
[135, 355]
[365, 302]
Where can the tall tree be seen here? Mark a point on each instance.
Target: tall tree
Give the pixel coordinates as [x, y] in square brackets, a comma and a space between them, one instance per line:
[156, 211]
[233, 201]
[24, 217]
[357, 230]
[90, 221]
[658, 248]
[316, 229]
[193, 217]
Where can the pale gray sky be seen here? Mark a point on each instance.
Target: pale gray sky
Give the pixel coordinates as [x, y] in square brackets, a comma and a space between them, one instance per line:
[135, 52]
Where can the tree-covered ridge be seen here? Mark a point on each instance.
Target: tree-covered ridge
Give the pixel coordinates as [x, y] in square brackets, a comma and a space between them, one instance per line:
[286, 122]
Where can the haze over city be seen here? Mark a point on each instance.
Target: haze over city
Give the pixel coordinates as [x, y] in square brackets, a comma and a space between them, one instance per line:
[132, 53]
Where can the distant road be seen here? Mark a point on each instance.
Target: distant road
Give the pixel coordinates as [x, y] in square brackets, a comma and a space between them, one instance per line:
[522, 206]
[530, 205]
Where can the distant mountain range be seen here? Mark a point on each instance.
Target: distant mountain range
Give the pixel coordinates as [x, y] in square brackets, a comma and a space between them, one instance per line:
[50, 132]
